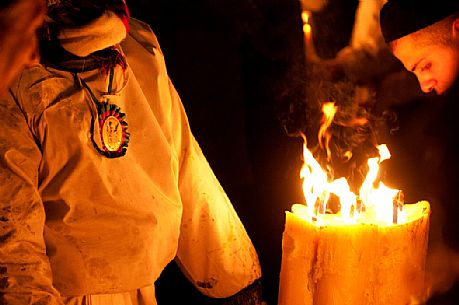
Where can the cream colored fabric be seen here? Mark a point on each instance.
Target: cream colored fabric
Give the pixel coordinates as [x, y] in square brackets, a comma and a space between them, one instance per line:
[143, 296]
[106, 31]
[104, 226]
[366, 33]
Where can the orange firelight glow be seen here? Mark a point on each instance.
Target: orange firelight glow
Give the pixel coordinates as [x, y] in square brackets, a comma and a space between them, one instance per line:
[376, 203]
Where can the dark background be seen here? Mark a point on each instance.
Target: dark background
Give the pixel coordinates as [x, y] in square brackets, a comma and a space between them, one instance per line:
[238, 65]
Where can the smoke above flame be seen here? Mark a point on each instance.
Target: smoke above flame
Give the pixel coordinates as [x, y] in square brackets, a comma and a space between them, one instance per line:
[375, 203]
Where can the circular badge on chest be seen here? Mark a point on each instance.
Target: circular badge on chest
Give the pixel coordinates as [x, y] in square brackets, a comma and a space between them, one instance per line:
[113, 130]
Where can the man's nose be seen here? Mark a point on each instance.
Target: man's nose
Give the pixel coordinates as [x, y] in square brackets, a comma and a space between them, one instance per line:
[428, 85]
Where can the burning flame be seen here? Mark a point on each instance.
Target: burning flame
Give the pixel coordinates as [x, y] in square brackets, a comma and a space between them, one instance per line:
[329, 110]
[305, 16]
[376, 203]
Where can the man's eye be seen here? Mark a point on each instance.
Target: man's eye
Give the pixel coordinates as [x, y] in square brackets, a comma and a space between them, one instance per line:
[426, 67]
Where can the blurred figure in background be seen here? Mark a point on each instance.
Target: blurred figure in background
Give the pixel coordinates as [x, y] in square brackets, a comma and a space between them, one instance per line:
[19, 21]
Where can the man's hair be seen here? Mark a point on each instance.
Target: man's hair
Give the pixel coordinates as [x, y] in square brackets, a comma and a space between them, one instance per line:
[438, 33]
[399, 18]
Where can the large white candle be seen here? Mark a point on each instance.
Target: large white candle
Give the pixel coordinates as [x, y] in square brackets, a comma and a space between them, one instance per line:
[336, 263]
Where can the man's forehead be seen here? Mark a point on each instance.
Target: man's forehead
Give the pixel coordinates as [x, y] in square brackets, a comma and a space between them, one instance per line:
[406, 51]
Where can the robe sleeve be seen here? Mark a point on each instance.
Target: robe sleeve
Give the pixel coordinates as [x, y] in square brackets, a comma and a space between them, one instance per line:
[215, 251]
[25, 274]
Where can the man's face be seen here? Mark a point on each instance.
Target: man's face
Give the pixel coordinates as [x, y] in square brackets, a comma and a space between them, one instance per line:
[436, 66]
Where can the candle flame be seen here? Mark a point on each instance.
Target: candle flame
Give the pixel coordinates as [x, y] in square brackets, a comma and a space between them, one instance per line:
[305, 16]
[311, 55]
[376, 203]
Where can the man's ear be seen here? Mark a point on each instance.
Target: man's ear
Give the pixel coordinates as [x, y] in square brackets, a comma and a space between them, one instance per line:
[455, 28]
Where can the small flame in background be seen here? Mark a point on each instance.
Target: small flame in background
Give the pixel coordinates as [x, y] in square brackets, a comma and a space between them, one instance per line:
[375, 203]
[305, 16]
